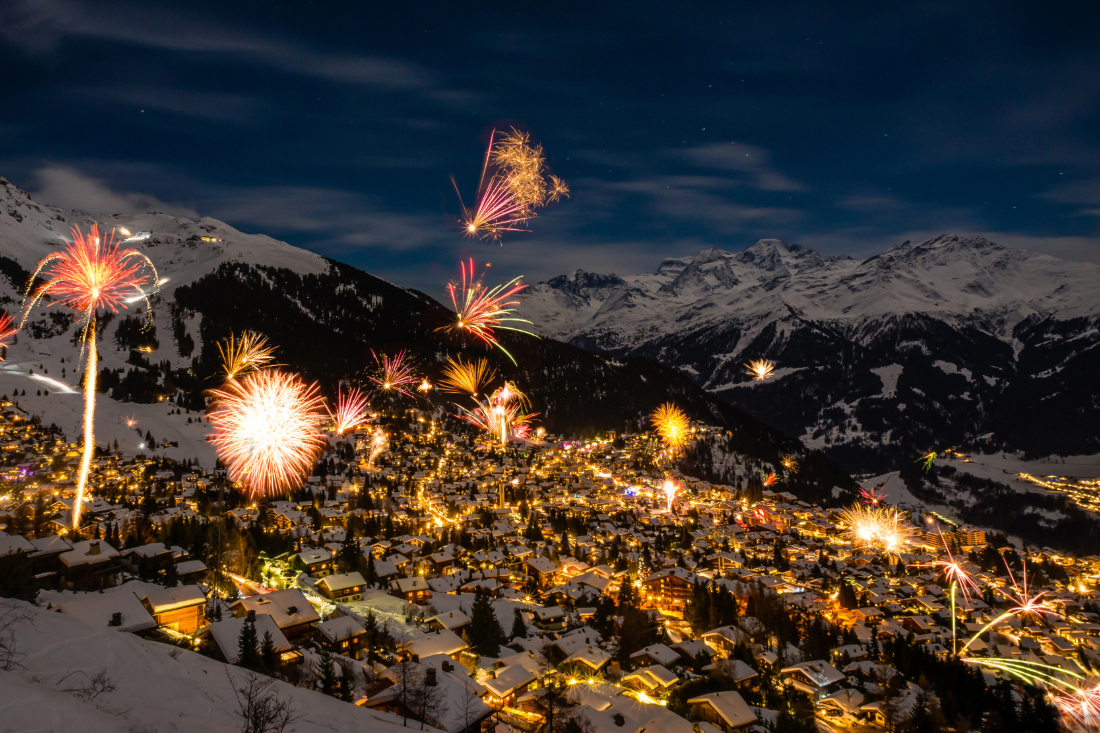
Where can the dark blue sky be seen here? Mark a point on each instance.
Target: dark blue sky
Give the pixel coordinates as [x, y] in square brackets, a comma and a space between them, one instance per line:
[846, 127]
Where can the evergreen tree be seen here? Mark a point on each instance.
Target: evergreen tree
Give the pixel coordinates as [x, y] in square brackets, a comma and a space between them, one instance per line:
[268, 656]
[486, 634]
[371, 575]
[519, 628]
[326, 674]
[248, 649]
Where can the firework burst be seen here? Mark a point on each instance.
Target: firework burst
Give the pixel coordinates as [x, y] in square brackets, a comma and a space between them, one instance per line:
[959, 579]
[267, 430]
[502, 415]
[514, 182]
[789, 463]
[462, 377]
[768, 478]
[877, 527]
[7, 331]
[873, 496]
[672, 425]
[670, 489]
[760, 369]
[90, 275]
[480, 310]
[351, 411]
[379, 443]
[928, 459]
[247, 354]
[1027, 604]
[395, 373]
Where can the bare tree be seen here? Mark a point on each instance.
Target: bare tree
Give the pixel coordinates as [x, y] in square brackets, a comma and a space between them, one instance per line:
[427, 698]
[12, 613]
[259, 705]
[91, 688]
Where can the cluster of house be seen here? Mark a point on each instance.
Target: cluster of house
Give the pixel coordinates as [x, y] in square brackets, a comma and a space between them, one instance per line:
[433, 487]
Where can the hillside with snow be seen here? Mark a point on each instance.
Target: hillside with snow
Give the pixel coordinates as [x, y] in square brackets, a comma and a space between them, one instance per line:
[182, 250]
[941, 341]
[157, 687]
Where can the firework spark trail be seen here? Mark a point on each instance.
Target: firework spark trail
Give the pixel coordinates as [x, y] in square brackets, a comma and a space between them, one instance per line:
[247, 354]
[91, 274]
[768, 479]
[672, 425]
[378, 444]
[395, 373]
[670, 489]
[790, 463]
[462, 377]
[267, 430]
[7, 331]
[960, 580]
[1027, 604]
[760, 369]
[480, 310]
[351, 411]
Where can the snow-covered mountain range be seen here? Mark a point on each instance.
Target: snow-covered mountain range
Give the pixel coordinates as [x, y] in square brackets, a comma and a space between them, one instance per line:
[325, 318]
[925, 345]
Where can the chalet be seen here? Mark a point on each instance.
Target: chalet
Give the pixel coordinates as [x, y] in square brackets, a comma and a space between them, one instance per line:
[342, 588]
[118, 608]
[654, 679]
[342, 635]
[455, 621]
[315, 562]
[655, 654]
[191, 572]
[506, 684]
[288, 608]
[815, 678]
[728, 711]
[181, 609]
[670, 589]
[585, 662]
[227, 633]
[543, 569]
[412, 589]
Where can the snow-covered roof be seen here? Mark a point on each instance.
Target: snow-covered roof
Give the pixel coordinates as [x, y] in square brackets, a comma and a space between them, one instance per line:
[98, 609]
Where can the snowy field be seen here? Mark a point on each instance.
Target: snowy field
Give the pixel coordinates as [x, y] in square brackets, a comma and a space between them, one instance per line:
[158, 688]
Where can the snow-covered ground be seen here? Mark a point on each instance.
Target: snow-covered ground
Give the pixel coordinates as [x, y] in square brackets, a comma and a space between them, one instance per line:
[158, 688]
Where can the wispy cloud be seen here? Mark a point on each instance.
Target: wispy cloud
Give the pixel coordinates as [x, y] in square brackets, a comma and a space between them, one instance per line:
[71, 189]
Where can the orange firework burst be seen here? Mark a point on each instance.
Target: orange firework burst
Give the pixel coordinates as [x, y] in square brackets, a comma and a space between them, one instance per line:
[480, 310]
[768, 479]
[7, 330]
[395, 373]
[90, 275]
[468, 377]
[501, 415]
[267, 430]
[425, 386]
[247, 354]
[351, 411]
[880, 528]
[672, 425]
[760, 369]
[510, 190]
[790, 463]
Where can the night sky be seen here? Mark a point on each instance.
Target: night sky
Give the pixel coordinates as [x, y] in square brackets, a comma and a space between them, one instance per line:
[845, 127]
